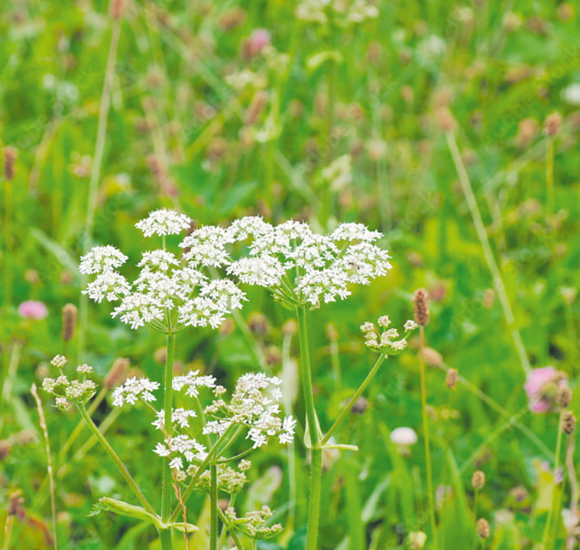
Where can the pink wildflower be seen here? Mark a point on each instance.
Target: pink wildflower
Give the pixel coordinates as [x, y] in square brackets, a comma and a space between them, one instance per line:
[542, 387]
[32, 309]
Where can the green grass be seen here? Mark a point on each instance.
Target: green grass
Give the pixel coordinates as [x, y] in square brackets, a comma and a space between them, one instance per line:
[170, 99]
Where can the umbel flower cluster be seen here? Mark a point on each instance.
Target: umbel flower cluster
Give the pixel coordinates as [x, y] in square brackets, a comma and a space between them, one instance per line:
[384, 339]
[168, 294]
[299, 267]
[253, 407]
[69, 392]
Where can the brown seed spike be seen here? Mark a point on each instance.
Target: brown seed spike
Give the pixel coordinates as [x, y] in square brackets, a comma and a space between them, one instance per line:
[117, 8]
[69, 322]
[552, 124]
[421, 303]
[482, 528]
[9, 155]
[451, 378]
[478, 480]
[118, 373]
[568, 422]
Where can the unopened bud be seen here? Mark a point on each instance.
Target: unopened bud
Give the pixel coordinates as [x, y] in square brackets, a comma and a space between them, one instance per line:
[117, 8]
[256, 107]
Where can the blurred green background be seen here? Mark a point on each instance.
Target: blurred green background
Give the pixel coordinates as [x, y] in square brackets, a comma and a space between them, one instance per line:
[223, 109]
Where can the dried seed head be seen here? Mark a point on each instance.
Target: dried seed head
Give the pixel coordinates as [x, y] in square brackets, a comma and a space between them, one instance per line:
[258, 323]
[15, 505]
[5, 448]
[118, 373]
[564, 397]
[478, 480]
[553, 124]
[9, 155]
[568, 422]
[421, 305]
[69, 322]
[432, 357]
[117, 8]
[482, 528]
[290, 327]
[451, 378]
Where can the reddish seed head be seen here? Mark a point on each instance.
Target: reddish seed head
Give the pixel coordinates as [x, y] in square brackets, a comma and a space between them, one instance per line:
[9, 155]
[69, 322]
[421, 303]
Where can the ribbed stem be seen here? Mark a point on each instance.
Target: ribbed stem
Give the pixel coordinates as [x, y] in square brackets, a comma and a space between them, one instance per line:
[354, 399]
[167, 487]
[213, 532]
[128, 478]
[316, 453]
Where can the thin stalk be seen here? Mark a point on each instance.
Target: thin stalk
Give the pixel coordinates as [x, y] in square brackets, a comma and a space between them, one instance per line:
[335, 360]
[8, 526]
[316, 452]
[354, 399]
[48, 464]
[287, 377]
[475, 499]
[200, 470]
[122, 468]
[213, 532]
[167, 484]
[230, 529]
[8, 207]
[570, 446]
[547, 543]
[426, 439]
[550, 175]
[96, 169]
[487, 252]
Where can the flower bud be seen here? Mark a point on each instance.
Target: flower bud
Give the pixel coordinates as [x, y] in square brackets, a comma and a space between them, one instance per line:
[421, 307]
[417, 540]
[478, 480]
[69, 322]
[482, 528]
[451, 378]
[117, 8]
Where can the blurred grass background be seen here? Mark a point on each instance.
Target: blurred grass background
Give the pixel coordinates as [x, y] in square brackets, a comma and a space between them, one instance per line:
[325, 123]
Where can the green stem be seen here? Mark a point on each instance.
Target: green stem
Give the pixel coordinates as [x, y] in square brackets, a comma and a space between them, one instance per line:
[125, 473]
[426, 439]
[547, 543]
[354, 399]
[165, 539]
[231, 529]
[213, 532]
[475, 498]
[200, 470]
[167, 487]
[316, 452]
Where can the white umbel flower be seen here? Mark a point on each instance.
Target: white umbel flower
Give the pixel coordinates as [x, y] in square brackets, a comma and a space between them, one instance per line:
[163, 222]
[134, 389]
[101, 259]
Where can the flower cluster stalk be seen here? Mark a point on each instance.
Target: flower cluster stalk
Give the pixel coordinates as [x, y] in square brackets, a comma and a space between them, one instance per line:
[430, 494]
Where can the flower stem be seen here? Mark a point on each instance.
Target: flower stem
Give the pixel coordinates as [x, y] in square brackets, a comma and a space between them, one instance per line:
[316, 452]
[426, 439]
[570, 445]
[354, 399]
[213, 533]
[167, 487]
[231, 529]
[125, 473]
[547, 544]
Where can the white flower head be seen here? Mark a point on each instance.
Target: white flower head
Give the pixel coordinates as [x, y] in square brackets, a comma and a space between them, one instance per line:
[164, 222]
[134, 389]
[101, 259]
[405, 437]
